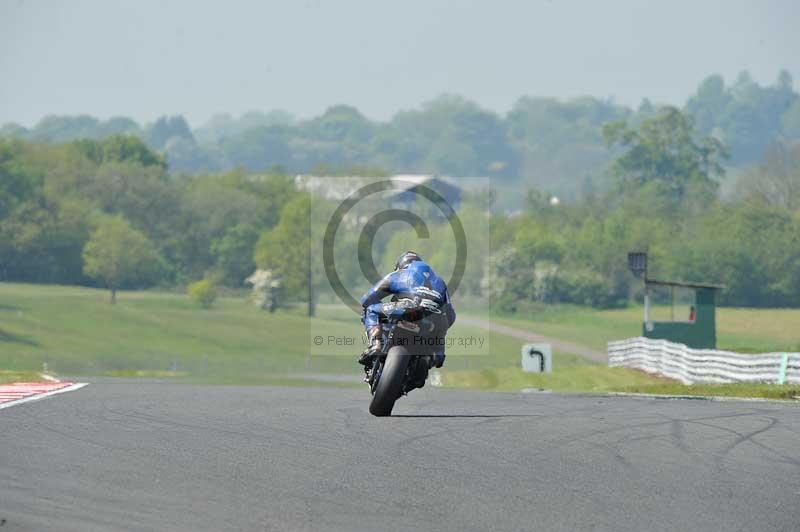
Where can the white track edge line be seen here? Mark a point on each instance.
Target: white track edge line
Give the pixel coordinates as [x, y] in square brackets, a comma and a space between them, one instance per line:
[71, 388]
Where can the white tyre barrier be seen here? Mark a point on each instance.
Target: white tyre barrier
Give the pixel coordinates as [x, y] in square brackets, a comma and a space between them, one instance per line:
[676, 361]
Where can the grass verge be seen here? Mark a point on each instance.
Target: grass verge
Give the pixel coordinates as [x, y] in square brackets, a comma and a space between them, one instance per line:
[572, 378]
[7, 376]
[592, 378]
[765, 391]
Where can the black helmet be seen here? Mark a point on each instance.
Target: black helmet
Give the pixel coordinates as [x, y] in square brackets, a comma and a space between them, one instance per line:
[405, 259]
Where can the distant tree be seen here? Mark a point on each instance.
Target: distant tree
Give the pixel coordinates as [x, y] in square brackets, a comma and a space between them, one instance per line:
[449, 135]
[116, 254]
[12, 130]
[165, 128]
[209, 209]
[286, 251]
[271, 191]
[119, 149]
[42, 227]
[234, 253]
[646, 108]
[775, 180]
[745, 115]
[17, 182]
[223, 125]
[53, 128]
[663, 150]
[259, 148]
[790, 121]
[340, 123]
[218, 127]
[253, 119]
[560, 143]
[42, 241]
[118, 125]
[709, 104]
[184, 155]
[148, 199]
[752, 248]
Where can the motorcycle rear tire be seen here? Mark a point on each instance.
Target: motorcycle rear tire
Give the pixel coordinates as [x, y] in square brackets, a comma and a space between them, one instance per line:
[390, 386]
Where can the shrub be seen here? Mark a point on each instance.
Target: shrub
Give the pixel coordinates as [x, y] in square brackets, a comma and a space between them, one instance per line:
[583, 287]
[203, 293]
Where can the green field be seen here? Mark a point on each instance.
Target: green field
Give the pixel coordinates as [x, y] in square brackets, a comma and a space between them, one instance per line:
[75, 331]
[154, 334]
[742, 330]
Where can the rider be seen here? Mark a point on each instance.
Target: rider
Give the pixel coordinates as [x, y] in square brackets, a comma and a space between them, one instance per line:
[417, 293]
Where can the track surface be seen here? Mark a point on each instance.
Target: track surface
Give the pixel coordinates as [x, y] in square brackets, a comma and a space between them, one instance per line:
[180, 457]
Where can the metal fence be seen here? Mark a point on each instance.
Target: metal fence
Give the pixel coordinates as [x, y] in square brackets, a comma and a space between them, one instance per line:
[676, 361]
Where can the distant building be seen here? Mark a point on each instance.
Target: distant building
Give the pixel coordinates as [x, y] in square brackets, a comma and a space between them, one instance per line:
[407, 187]
[328, 187]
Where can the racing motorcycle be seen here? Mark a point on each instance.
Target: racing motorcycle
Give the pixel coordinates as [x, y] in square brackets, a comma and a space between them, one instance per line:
[402, 365]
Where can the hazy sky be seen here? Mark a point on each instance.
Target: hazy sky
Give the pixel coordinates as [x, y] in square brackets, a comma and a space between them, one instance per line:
[147, 58]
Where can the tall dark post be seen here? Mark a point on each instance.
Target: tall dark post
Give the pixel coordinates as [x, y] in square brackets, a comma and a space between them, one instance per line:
[637, 263]
[312, 307]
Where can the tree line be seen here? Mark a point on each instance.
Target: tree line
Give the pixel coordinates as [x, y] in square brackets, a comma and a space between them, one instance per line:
[56, 198]
[542, 142]
[107, 212]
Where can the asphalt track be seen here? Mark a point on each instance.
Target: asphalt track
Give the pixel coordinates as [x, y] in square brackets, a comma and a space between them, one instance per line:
[162, 457]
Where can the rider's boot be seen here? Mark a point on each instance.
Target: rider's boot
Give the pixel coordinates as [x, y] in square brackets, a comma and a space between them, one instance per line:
[375, 346]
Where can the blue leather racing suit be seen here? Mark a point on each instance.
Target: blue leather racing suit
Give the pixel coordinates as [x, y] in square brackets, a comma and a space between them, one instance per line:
[417, 292]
